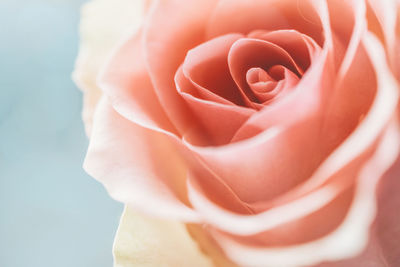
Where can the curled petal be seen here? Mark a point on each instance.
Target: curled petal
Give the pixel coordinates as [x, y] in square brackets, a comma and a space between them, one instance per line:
[207, 68]
[216, 122]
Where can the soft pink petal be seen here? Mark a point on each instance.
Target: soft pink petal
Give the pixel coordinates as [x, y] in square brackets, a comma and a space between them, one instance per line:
[263, 157]
[244, 16]
[346, 241]
[206, 66]
[125, 80]
[387, 11]
[311, 227]
[388, 217]
[359, 12]
[266, 88]
[172, 28]
[300, 47]
[247, 53]
[351, 237]
[383, 246]
[350, 100]
[216, 122]
[153, 178]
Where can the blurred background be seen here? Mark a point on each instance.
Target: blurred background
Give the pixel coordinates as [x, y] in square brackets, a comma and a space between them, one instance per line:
[51, 212]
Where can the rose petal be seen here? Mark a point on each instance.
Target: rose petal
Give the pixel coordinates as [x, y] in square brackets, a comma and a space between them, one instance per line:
[216, 122]
[135, 178]
[386, 11]
[145, 241]
[388, 217]
[247, 53]
[99, 35]
[262, 157]
[125, 81]
[360, 25]
[267, 89]
[355, 228]
[313, 226]
[382, 248]
[349, 101]
[346, 241]
[243, 16]
[207, 68]
[166, 37]
[300, 47]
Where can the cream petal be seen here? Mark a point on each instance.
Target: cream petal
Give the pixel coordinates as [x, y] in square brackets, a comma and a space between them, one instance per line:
[149, 242]
[102, 25]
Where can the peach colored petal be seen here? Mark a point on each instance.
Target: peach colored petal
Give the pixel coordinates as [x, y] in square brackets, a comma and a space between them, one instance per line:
[386, 12]
[350, 238]
[349, 100]
[370, 257]
[383, 107]
[300, 47]
[387, 222]
[248, 53]
[244, 16]
[99, 34]
[125, 81]
[262, 154]
[265, 88]
[253, 224]
[166, 37]
[360, 25]
[148, 242]
[216, 122]
[153, 178]
[382, 248]
[207, 68]
[311, 227]
[346, 241]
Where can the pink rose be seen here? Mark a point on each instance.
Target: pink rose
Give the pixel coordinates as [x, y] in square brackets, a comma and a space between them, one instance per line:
[269, 123]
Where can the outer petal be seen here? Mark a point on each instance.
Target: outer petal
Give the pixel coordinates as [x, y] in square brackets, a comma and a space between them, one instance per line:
[383, 248]
[99, 34]
[387, 12]
[149, 242]
[138, 166]
[126, 81]
[245, 16]
[346, 241]
[388, 217]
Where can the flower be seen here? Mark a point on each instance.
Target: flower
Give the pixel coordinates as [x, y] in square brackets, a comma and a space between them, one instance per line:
[268, 123]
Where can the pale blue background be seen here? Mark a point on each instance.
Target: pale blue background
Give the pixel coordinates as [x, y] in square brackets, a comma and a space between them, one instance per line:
[51, 212]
